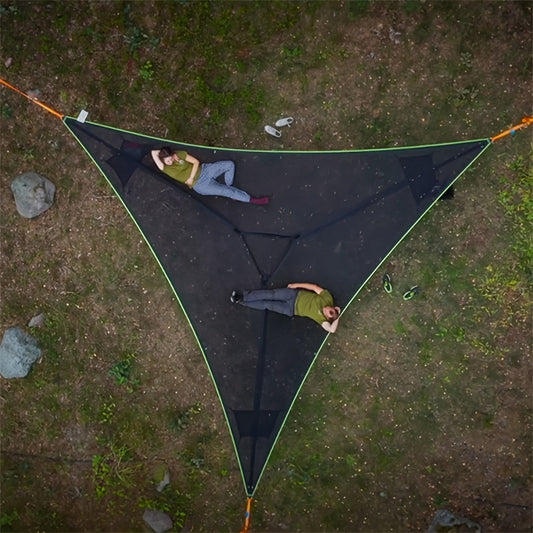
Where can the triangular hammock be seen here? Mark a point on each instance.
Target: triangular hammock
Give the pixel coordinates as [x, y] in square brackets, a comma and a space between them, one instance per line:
[334, 217]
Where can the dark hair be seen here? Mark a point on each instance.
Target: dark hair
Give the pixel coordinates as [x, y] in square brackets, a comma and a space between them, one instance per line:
[166, 151]
[334, 317]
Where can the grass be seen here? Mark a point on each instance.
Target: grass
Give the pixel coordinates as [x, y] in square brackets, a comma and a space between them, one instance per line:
[430, 394]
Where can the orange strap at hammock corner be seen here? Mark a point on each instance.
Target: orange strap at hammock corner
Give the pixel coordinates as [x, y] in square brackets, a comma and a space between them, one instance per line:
[34, 100]
[248, 515]
[526, 121]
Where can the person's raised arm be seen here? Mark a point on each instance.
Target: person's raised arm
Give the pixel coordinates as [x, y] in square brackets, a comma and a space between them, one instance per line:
[331, 327]
[307, 286]
[195, 164]
[157, 159]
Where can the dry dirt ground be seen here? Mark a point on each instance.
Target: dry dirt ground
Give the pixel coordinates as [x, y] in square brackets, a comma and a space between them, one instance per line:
[84, 264]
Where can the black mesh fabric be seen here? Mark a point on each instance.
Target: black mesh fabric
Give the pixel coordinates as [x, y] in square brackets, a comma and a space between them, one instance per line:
[332, 219]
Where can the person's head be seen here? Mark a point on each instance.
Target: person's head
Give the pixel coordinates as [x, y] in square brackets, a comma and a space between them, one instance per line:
[331, 313]
[166, 154]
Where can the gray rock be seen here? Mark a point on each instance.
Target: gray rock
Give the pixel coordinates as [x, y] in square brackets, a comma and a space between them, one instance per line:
[164, 482]
[157, 520]
[446, 521]
[34, 194]
[161, 476]
[34, 93]
[37, 321]
[18, 352]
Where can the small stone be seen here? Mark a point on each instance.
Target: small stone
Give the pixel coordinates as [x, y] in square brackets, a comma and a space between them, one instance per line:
[445, 520]
[157, 520]
[34, 93]
[37, 321]
[161, 476]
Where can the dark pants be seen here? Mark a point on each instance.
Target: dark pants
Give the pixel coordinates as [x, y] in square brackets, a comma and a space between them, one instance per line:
[277, 300]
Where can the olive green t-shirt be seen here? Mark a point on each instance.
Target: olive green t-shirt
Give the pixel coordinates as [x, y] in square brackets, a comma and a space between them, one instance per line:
[310, 304]
[181, 170]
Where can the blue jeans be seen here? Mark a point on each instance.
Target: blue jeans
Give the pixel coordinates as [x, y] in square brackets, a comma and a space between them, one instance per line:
[208, 185]
[277, 300]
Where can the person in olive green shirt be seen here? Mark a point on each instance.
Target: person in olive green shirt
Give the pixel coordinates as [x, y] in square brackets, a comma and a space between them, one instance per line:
[202, 177]
[297, 299]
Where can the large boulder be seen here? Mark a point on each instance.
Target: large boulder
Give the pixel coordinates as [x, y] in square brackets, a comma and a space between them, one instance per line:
[18, 352]
[34, 194]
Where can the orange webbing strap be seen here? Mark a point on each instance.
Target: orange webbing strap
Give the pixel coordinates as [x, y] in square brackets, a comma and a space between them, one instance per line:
[526, 121]
[34, 100]
[248, 515]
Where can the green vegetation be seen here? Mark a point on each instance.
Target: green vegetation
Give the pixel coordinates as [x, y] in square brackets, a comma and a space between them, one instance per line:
[516, 197]
[122, 371]
[113, 471]
[431, 394]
